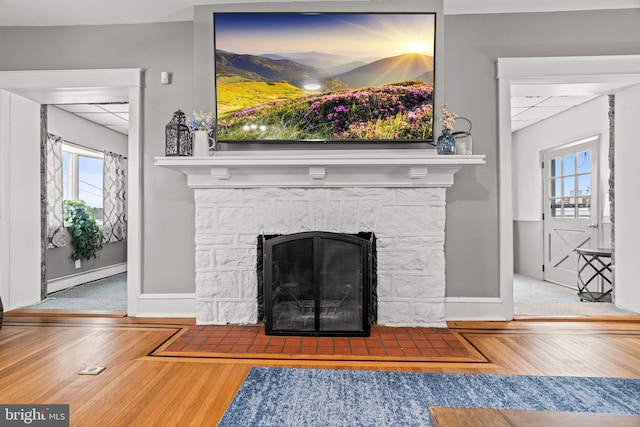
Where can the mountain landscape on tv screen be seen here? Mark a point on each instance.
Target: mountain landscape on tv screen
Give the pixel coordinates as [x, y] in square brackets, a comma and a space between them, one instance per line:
[299, 68]
[368, 78]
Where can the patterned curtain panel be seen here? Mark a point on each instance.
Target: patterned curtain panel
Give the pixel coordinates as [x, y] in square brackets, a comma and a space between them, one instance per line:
[114, 227]
[56, 235]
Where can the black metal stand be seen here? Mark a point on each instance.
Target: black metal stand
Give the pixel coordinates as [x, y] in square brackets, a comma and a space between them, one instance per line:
[600, 262]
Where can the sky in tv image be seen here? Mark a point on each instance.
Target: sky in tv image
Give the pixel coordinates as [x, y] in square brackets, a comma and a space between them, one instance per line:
[329, 77]
[367, 35]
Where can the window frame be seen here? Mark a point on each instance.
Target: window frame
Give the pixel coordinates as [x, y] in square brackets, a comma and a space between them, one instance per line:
[74, 152]
[562, 177]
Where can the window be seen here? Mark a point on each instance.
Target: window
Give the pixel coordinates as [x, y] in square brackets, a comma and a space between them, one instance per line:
[82, 177]
[570, 182]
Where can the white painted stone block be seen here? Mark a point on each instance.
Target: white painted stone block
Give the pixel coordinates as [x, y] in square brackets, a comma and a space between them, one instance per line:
[237, 219]
[385, 285]
[249, 285]
[216, 196]
[205, 312]
[248, 239]
[204, 259]
[218, 285]
[234, 258]
[204, 219]
[213, 239]
[428, 313]
[403, 220]
[401, 260]
[417, 286]
[238, 312]
[393, 313]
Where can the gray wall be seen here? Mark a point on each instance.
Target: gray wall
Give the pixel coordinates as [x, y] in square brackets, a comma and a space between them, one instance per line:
[168, 213]
[527, 248]
[471, 45]
[60, 264]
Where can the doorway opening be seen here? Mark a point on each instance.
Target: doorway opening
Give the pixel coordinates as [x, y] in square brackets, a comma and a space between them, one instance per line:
[62, 87]
[541, 80]
[84, 153]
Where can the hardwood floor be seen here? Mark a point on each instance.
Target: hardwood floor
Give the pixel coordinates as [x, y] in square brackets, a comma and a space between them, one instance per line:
[482, 417]
[41, 355]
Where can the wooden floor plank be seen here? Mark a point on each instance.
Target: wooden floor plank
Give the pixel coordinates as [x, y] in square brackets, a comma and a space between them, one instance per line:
[40, 358]
[483, 417]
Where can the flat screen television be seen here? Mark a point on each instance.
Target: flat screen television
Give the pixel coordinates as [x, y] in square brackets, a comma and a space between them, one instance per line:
[324, 77]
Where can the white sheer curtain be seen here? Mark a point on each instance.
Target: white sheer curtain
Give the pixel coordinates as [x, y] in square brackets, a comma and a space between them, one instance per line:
[114, 227]
[56, 235]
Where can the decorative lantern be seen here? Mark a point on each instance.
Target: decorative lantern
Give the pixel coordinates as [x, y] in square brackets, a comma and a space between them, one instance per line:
[463, 139]
[177, 136]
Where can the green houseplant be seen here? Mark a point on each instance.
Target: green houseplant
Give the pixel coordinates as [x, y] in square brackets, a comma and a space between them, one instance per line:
[85, 234]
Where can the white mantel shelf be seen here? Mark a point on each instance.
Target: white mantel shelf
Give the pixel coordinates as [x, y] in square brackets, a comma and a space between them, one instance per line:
[321, 168]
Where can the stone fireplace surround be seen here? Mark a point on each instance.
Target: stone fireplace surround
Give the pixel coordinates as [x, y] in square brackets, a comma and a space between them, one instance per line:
[398, 194]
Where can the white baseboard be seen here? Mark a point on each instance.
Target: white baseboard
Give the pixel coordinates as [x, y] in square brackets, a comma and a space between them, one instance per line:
[474, 308]
[184, 306]
[166, 305]
[65, 282]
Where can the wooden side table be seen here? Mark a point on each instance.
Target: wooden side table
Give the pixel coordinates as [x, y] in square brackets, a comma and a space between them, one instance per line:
[599, 261]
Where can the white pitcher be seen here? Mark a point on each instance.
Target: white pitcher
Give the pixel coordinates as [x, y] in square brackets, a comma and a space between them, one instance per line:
[202, 143]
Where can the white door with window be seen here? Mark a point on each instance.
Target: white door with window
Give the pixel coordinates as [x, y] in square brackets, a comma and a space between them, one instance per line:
[571, 215]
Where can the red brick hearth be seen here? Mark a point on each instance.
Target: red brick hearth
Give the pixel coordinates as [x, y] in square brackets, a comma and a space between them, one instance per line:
[429, 344]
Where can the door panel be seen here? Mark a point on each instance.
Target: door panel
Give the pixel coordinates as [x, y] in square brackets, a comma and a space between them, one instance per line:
[570, 208]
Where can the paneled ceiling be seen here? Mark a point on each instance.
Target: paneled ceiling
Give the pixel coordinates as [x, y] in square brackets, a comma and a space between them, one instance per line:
[114, 116]
[527, 110]
[531, 103]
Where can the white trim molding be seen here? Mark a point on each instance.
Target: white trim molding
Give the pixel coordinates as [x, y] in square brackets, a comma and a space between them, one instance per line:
[321, 168]
[465, 7]
[474, 308]
[65, 282]
[167, 305]
[620, 70]
[42, 86]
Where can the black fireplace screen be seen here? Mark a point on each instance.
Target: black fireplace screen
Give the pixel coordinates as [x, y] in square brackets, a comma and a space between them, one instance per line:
[317, 283]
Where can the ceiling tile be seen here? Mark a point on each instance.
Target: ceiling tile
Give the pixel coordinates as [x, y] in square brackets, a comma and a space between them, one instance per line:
[555, 101]
[104, 118]
[121, 129]
[111, 115]
[539, 113]
[81, 108]
[517, 110]
[526, 101]
[116, 108]
[517, 125]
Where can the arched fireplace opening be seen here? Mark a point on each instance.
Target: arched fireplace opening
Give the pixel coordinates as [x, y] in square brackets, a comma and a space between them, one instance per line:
[317, 283]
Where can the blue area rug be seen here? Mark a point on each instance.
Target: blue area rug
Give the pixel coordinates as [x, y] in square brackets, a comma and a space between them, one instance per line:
[319, 397]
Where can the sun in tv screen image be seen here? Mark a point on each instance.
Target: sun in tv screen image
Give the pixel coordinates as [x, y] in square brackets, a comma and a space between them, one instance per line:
[330, 77]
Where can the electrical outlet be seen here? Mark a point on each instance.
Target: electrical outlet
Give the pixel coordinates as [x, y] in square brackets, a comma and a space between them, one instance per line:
[78, 263]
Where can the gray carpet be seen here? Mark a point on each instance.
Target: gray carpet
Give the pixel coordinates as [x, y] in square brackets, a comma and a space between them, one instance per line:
[108, 294]
[532, 297]
[324, 397]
